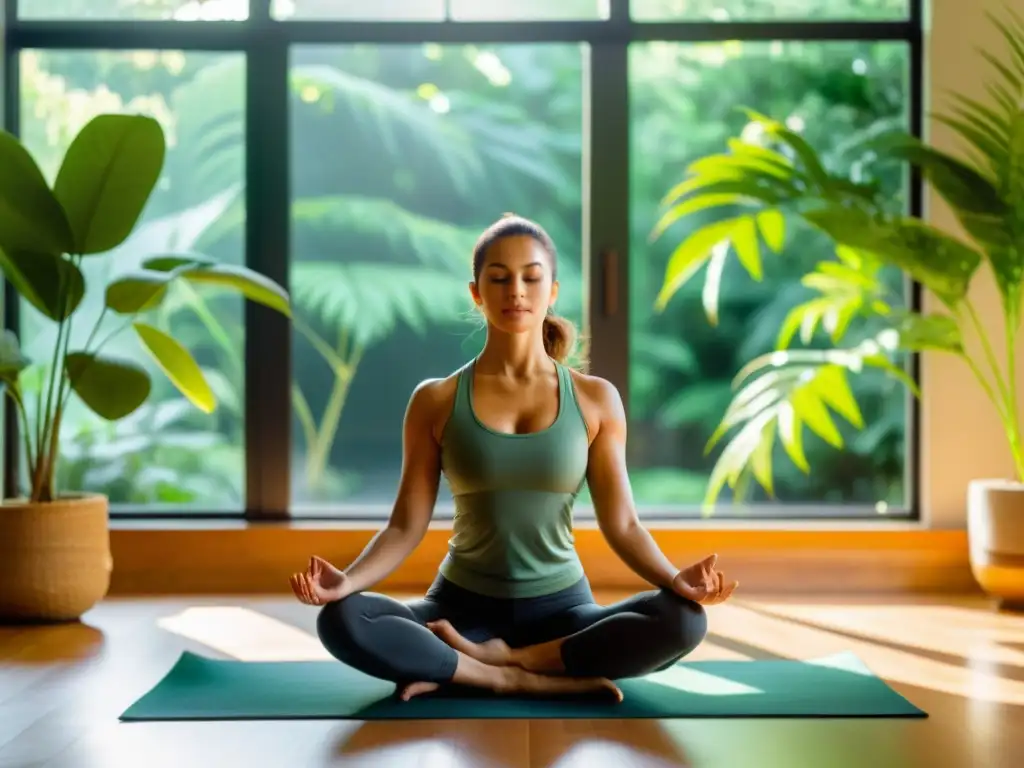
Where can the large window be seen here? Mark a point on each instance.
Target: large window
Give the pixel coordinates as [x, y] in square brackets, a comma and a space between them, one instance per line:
[438, 141]
[353, 150]
[683, 100]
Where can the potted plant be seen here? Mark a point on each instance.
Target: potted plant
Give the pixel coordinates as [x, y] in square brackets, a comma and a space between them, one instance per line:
[55, 560]
[744, 199]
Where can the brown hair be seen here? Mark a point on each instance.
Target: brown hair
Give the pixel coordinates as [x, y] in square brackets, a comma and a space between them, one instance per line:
[560, 334]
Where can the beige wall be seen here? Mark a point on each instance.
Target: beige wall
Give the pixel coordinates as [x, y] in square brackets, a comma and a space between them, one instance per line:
[961, 437]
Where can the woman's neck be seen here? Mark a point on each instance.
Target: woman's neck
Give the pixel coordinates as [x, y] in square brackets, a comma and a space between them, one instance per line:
[518, 355]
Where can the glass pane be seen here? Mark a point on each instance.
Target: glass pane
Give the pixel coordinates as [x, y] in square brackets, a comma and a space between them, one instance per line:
[685, 101]
[167, 453]
[749, 10]
[439, 141]
[358, 10]
[135, 10]
[528, 10]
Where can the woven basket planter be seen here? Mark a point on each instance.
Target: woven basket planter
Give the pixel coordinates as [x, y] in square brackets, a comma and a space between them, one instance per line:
[55, 560]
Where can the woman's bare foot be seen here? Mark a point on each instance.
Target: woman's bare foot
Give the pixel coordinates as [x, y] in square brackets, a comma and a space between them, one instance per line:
[519, 680]
[515, 680]
[416, 689]
[495, 653]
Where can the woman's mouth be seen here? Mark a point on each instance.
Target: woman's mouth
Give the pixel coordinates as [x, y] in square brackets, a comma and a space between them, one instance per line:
[515, 311]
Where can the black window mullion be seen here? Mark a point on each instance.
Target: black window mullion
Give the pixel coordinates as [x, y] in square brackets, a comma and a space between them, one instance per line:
[11, 298]
[912, 466]
[268, 364]
[608, 207]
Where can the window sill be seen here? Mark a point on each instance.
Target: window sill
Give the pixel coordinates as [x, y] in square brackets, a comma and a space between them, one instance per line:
[227, 556]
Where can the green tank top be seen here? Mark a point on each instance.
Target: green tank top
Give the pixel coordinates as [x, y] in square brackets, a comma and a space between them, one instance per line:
[514, 494]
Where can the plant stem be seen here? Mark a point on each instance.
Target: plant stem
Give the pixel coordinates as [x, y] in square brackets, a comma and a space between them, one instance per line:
[46, 460]
[987, 347]
[95, 328]
[996, 400]
[1013, 414]
[38, 478]
[317, 461]
[114, 333]
[214, 327]
[19, 402]
[305, 416]
[330, 356]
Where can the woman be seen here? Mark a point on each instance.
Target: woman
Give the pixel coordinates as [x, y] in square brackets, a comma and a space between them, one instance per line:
[516, 434]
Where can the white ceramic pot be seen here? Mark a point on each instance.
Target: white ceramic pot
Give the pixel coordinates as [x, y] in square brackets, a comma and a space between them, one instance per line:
[995, 529]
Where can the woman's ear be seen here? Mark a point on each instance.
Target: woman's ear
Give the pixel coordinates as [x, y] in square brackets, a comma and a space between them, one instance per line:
[475, 293]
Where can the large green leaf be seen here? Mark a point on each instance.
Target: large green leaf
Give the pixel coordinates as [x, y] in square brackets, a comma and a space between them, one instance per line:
[249, 283]
[690, 255]
[919, 332]
[966, 189]
[179, 366]
[780, 394]
[145, 288]
[31, 218]
[939, 261]
[106, 178]
[111, 388]
[138, 290]
[49, 282]
[847, 288]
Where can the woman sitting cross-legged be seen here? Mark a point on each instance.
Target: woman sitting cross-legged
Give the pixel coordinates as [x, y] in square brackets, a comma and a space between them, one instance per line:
[516, 433]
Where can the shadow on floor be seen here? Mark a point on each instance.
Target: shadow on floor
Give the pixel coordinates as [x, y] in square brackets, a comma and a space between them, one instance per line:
[53, 642]
[496, 743]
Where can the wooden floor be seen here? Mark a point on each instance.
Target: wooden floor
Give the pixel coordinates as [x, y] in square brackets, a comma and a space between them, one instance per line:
[62, 688]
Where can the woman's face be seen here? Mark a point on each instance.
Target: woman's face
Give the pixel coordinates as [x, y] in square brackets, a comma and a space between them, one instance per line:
[515, 286]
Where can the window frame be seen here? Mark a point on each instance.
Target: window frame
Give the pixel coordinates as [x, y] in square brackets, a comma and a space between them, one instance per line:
[266, 44]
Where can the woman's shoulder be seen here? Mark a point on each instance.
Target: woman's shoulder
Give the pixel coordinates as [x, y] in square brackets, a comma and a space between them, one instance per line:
[595, 388]
[436, 392]
[433, 399]
[598, 398]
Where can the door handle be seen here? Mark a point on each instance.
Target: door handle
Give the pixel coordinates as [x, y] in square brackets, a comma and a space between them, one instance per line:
[610, 280]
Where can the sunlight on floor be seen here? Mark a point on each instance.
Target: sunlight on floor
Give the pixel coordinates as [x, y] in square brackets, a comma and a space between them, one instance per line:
[960, 669]
[245, 634]
[694, 681]
[943, 630]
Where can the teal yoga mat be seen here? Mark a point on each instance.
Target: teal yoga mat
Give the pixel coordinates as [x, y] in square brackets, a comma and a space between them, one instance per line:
[201, 688]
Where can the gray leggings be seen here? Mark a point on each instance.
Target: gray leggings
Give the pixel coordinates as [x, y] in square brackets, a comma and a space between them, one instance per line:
[388, 639]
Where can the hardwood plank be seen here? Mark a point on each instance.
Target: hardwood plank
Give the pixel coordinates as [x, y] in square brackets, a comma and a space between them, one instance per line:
[957, 658]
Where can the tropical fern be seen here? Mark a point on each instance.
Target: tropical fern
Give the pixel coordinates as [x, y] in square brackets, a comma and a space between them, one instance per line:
[781, 393]
[755, 188]
[366, 300]
[361, 228]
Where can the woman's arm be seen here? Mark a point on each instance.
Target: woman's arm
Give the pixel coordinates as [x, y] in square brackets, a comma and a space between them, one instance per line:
[610, 489]
[417, 491]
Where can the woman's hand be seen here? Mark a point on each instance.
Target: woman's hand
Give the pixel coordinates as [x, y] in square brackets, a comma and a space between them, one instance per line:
[322, 583]
[703, 584]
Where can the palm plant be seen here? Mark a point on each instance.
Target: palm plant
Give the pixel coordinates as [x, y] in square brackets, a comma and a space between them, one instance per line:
[760, 185]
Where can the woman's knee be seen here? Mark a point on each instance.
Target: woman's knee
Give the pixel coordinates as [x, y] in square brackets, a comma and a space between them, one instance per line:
[337, 626]
[685, 621]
